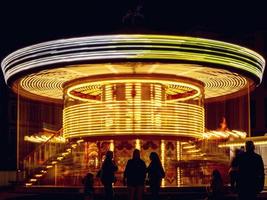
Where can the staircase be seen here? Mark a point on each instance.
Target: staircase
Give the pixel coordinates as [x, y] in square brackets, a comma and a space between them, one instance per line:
[45, 157]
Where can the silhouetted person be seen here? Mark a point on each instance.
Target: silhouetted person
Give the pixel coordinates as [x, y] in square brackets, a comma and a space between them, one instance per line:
[250, 173]
[134, 175]
[155, 175]
[107, 175]
[216, 188]
[233, 172]
[88, 182]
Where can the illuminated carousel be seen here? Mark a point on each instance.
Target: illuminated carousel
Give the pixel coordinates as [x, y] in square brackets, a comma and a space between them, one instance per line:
[168, 94]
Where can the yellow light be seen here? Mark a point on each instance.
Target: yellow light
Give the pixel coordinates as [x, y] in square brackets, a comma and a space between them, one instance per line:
[28, 184]
[54, 162]
[218, 82]
[111, 145]
[65, 153]
[49, 166]
[96, 162]
[79, 141]
[162, 155]
[178, 148]
[241, 134]
[33, 180]
[237, 144]
[137, 144]
[38, 175]
[189, 147]
[256, 141]
[193, 151]
[48, 83]
[60, 158]
[74, 146]
[44, 138]
[135, 82]
[224, 134]
[173, 119]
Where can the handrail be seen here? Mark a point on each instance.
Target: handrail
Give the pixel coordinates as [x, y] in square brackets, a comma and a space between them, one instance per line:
[36, 172]
[42, 144]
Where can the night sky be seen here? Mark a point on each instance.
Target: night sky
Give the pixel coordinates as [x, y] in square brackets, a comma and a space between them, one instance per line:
[28, 22]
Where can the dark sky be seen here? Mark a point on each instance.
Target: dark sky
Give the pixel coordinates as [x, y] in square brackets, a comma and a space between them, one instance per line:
[27, 22]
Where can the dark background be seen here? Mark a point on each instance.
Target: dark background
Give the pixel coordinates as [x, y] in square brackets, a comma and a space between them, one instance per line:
[28, 22]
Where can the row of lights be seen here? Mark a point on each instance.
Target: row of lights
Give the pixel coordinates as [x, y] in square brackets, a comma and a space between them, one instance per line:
[224, 134]
[50, 165]
[189, 147]
[151, 47]
[44, 138]
[242, 143]
[50, 84]
[177, 119]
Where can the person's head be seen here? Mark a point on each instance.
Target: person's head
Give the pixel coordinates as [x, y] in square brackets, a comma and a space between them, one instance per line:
[136, 154]
[154, 157]
[109, 155]
[216, 174]
[250, 146]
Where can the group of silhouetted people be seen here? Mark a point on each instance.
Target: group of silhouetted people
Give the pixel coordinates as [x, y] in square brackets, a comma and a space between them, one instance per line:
[135, 175]
[246, 176]
[106, 175]
[249, 178]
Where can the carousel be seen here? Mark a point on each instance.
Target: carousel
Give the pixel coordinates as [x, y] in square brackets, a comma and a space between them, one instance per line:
[181, 97]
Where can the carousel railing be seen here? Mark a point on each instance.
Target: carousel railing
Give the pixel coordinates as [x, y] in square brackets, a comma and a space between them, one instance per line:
[58, 155]
[44, 152]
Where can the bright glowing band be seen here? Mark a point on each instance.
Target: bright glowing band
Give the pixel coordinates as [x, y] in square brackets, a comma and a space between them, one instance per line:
[113, 119]
[108, 47]
[112, 48]
[240, 144]
[96, 85]
[49, 83]
[224, 134]
[259, 140]
[44, 138]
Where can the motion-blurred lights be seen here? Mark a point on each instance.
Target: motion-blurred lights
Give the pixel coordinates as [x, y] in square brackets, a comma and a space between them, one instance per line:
[44, 138]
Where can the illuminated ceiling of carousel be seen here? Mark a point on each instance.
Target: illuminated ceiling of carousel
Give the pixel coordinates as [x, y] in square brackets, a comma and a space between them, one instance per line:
[41, 70]
[217, 82]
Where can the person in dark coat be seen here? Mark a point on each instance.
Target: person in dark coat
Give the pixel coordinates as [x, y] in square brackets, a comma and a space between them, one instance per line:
[88, 182]
[134, 175]
[155, 175]
[250, 173]
[107, 175]
[233, 172]
[216, 188]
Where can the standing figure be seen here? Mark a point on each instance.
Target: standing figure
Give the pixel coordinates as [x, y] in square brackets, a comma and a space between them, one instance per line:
[216, 188]
[155, 175]
[233, 171]
[134, 175]
[107, 175]
[250, 173]
[88, 182]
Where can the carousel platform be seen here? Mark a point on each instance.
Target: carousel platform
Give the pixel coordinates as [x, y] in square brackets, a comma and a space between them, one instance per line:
[71, 193]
